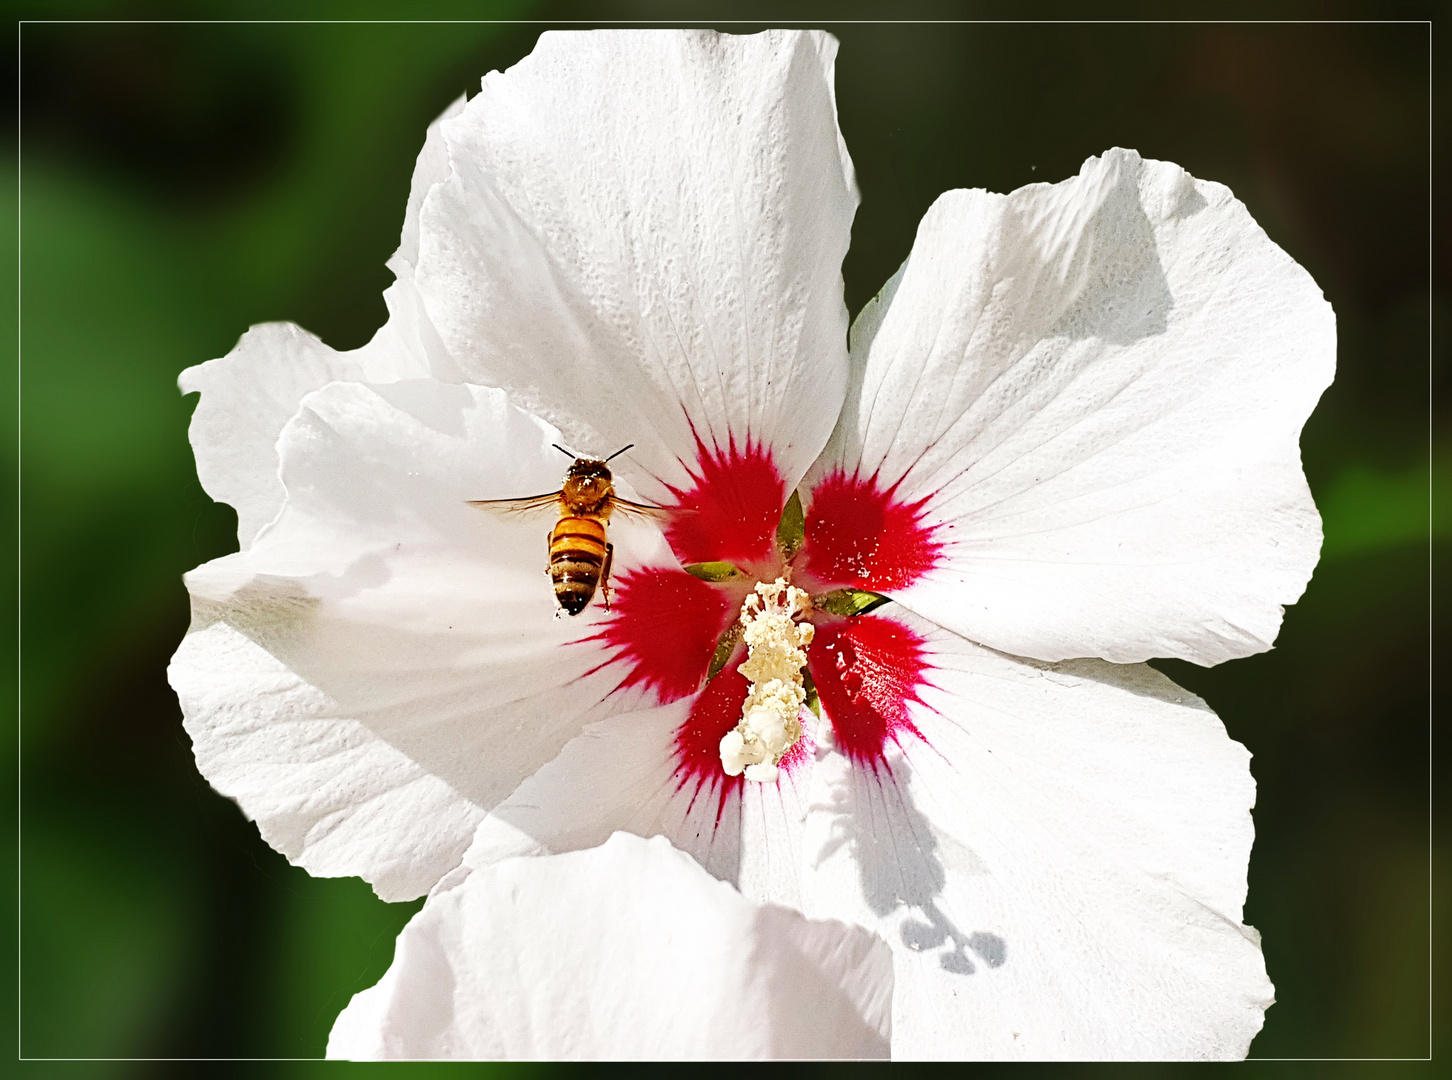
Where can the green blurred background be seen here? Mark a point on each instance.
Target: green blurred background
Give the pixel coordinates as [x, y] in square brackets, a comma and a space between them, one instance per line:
[182, 182]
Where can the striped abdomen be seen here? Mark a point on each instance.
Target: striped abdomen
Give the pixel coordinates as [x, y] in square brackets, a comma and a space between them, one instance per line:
[577, 556]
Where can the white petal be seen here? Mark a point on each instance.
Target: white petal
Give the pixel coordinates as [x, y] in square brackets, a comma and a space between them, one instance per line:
[622, 774]
[408, 330]
[326, 790]
[431, 168]
[383, 664]
[249, 394]
[1099, 387]
[643, 233]
[1059, 867]
[628, 950]
[247, 397]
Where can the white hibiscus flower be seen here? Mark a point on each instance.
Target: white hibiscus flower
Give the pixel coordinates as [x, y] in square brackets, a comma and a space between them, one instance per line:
[1064, 441]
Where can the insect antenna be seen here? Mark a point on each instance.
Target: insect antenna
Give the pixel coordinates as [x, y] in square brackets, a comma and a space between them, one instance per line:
[622, 450]
[562, 450]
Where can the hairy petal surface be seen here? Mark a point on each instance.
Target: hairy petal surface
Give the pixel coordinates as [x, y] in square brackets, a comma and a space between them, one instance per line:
[1057, 855]
[641, 239]
[1093, 393]
[626, 951]
[383, 665]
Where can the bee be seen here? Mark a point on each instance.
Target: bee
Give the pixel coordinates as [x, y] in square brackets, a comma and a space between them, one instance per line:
[579, 553]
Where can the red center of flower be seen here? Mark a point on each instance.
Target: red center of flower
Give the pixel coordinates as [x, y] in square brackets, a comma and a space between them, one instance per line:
[860, 536]
[665, 625]
[867, 669]
[731, 512]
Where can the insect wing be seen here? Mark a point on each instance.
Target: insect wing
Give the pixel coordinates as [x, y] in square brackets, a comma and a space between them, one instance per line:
[635, 509]
[550, 501]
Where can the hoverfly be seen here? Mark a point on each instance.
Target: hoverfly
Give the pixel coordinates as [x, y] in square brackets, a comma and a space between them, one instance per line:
[579, 554]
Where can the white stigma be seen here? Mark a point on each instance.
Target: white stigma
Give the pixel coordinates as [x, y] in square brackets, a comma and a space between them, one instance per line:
[776, 642]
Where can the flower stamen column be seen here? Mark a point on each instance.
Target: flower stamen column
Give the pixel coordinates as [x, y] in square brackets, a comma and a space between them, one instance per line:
[776, 641]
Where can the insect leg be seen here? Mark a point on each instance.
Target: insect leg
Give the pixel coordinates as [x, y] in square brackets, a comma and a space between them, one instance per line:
[605, 574]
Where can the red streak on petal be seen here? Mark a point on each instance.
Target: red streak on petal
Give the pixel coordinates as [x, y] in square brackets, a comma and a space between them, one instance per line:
[803, 751]
[698, 740]
[867, 669]
[859, 535]
[664, 624]
[731, 512]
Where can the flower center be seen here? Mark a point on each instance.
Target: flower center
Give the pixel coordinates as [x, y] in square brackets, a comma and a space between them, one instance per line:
[777, 635]
[682, 634]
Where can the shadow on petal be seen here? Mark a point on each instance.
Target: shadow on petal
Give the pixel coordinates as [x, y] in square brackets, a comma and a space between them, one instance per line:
[903, 865]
